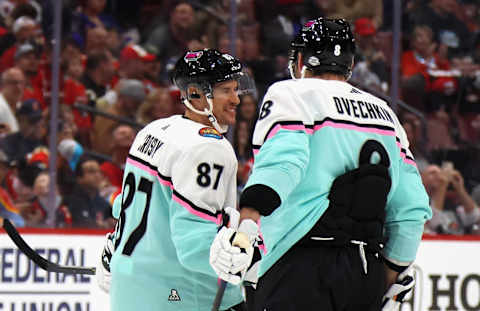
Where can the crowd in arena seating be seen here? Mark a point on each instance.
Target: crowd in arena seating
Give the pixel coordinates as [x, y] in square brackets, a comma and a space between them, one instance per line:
[115, 65]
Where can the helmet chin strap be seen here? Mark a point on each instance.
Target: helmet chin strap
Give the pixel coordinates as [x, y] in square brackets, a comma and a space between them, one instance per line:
[211, 117]
[207, 112]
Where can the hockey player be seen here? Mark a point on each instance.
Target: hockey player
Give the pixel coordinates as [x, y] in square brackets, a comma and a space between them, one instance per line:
[334, 186]
[179, 176]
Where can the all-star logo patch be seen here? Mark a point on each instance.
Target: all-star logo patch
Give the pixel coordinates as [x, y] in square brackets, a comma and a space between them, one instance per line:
[210, 132]
[174, 295]
[308, 25]
[193, 56]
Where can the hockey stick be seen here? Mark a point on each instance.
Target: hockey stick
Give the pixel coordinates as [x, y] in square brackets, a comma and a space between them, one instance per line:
[36, 258]
[240, 240]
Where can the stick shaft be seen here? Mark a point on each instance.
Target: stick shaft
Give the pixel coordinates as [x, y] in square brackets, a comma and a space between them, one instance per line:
[219, 295]
[240, 240]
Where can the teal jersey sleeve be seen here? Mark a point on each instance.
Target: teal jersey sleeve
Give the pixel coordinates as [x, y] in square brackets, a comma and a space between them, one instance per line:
[193, 246]
[407, 211]
[282, 162]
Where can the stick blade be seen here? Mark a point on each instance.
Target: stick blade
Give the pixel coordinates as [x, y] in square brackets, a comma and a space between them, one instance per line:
[36, 258]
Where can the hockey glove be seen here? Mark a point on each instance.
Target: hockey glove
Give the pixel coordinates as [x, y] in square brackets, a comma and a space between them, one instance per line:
[400, 291]
[103, 268]
[232, 251]
[251, 276]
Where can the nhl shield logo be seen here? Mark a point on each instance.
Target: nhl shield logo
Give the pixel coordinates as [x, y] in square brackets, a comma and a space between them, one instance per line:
[193, 56]
[173, 295]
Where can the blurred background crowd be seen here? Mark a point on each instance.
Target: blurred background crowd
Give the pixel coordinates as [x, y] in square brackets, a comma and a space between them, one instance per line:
[115, 64]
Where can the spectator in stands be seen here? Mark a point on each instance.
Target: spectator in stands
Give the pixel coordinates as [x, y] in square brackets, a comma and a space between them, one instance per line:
[12, 88]
[447, 29]
[216, 25]
[27, 59]
[75, 69]
[90, 15]
[172, 38]
[86, 207]
[25, 29]
[158, 104]
[440, 134]
[243, 150]
[130, 95]
[370, 70]
[69, 154]
[412, 126]
[468, 13]
[352, 10]
[23, 181]
[31, 134]
[279, 24]
[123, 136]
[262, 67]
[420, 77]
[132, 62]
[96, 40]
[248, 110]
[40, 204]
[454, 210]
[153, 69]
[7, 38]
[7, 207]
[99, 72]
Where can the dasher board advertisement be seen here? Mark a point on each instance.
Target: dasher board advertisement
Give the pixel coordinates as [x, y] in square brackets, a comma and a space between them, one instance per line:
[447, 273]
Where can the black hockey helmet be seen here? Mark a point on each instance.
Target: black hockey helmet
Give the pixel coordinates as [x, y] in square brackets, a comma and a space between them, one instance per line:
[205, 68]
[327, 45]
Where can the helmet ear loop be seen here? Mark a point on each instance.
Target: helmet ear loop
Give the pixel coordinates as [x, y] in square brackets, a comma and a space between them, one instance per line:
[292, 62]
[348, 75]
[186, 101]
[298, 59]
[302, 72]
[291, 69]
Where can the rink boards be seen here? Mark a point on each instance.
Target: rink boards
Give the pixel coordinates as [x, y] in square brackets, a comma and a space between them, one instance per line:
[448, 273]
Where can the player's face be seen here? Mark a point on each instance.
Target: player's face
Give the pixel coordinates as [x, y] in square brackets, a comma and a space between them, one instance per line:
[225, 102]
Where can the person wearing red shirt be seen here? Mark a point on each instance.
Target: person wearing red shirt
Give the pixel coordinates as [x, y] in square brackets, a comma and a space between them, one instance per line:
[418, 67]
[123, 136]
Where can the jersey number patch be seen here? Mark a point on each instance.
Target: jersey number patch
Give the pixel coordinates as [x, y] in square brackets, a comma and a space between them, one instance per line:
[144, 186]
[265, 110]
[204, 179]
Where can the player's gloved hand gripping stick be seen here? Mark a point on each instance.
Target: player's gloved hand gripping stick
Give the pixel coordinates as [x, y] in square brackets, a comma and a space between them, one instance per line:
[400, 291]
[232, 251]
[103, 274]
[36, 258]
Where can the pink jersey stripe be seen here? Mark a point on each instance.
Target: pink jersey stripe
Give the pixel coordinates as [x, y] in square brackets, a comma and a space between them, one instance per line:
[262, 247]
[187, 206]
[292, 127]
[150, 171]
[296, 127]
[354, 127]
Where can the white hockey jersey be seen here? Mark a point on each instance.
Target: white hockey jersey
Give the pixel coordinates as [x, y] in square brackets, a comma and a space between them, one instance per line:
[178, 177]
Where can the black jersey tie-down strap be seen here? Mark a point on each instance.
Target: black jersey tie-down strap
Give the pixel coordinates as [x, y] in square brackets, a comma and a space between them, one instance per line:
[356, 212]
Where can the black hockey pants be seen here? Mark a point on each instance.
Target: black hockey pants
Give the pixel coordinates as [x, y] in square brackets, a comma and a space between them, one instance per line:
[322, 278]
